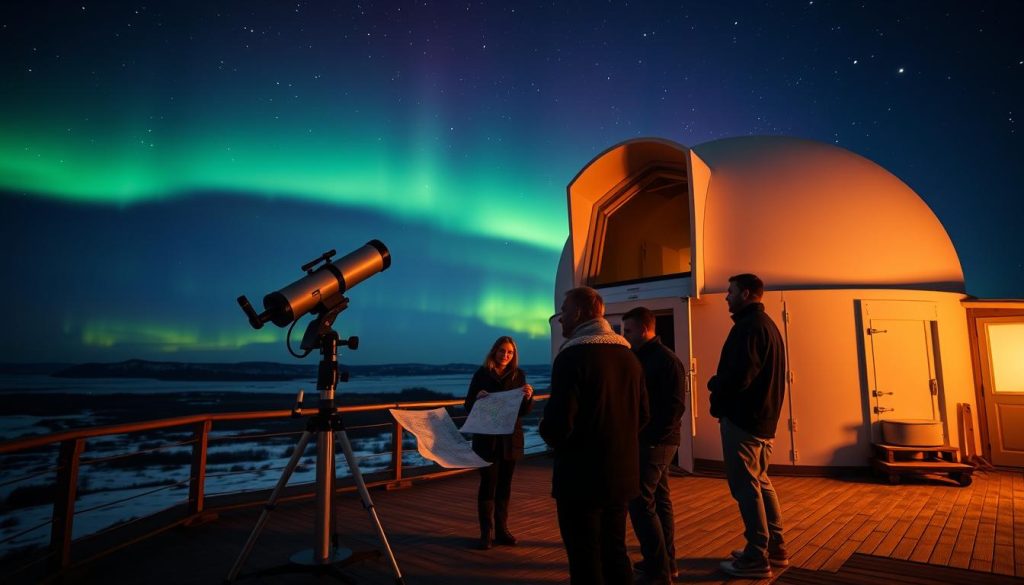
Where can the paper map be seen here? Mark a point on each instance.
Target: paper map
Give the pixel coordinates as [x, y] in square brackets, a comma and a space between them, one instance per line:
[494, 414]
[437, 438]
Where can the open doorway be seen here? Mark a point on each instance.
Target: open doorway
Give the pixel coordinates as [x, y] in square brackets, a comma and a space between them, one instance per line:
[643, 230]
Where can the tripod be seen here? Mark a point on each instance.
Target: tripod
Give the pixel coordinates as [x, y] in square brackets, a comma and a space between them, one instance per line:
[328, 426]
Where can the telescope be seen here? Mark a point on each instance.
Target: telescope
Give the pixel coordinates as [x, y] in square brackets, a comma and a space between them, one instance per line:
[322, 287]
[322, 292]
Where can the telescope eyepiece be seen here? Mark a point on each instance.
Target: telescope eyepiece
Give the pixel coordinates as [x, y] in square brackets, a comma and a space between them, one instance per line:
[254, 319]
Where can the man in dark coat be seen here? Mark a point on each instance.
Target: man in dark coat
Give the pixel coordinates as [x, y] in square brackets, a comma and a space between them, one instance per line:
[651, 512]
[592, 421]
[746, 396]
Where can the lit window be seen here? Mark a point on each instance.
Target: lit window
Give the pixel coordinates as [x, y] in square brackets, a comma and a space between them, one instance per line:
[1006, 352]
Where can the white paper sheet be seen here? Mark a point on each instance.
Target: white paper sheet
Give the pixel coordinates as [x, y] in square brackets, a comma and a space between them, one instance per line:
[494, 414]
[437, 438]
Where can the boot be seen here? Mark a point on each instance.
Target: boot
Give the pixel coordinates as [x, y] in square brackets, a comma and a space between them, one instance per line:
[485, 510]
[501, 533]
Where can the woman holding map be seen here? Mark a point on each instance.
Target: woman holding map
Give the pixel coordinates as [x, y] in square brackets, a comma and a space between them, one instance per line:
[500, 373]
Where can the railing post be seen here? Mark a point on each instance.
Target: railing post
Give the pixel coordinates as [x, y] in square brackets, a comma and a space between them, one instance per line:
[64, 500]
[396, 449]
[197, 479]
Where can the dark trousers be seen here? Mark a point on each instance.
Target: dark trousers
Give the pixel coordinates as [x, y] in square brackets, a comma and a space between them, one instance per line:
[496, 480]
[651, 512]
[595, 542]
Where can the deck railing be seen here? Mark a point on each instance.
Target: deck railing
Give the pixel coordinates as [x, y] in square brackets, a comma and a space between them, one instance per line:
[71, 444]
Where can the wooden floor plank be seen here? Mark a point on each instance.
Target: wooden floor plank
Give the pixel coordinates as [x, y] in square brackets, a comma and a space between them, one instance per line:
[892, 500]
[432, 528]
[930, 537]
[900, 526]
[984, 544]
[917, 526]
[964, 546]
[844, 545]
[947, 537]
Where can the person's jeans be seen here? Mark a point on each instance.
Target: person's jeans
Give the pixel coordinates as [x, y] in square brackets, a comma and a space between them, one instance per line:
[746, 459]
[595, 542]
[651, 512]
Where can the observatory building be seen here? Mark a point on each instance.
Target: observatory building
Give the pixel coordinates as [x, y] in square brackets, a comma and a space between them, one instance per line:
[860, 276]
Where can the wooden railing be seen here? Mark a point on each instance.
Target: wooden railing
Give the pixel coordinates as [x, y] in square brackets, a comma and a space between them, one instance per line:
[72, 443]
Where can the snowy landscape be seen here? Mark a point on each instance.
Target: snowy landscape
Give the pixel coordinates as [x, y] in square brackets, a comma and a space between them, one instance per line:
[125, 477]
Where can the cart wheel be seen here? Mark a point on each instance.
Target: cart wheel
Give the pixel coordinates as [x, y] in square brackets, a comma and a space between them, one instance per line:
[964, 479]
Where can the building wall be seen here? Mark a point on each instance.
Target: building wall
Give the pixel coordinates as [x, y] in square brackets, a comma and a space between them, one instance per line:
[829, 396]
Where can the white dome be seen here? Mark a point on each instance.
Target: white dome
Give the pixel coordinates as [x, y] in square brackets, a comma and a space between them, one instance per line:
[798, 213]
[803, 214]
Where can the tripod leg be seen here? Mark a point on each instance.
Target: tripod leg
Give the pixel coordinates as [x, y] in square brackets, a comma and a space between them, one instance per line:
[300, 448]
[357, 475]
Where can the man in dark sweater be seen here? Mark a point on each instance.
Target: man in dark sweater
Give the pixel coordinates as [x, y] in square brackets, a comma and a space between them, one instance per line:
[592, 420]
[651, 512]
[746, 396]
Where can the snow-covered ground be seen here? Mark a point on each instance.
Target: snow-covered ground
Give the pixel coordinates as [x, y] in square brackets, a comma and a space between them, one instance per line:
[113, 493]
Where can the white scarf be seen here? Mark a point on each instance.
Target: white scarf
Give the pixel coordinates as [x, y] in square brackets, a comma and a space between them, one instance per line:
[595, 331]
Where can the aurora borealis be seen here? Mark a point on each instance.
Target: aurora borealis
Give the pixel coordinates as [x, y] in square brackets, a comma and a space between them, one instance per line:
[158, 160]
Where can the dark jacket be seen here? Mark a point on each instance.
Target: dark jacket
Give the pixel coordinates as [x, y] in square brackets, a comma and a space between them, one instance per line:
[592, 421]
[492, 447]
[666, 393]
[749, 386]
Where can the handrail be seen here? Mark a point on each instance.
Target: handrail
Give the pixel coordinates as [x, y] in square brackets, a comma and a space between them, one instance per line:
[72, 444]
[157, 424]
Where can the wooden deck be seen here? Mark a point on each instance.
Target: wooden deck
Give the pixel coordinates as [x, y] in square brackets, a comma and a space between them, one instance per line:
[904, 533]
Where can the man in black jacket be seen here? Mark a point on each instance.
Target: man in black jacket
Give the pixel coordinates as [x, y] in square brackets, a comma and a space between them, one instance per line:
[746, 396]
[592, 421]
[651, 512]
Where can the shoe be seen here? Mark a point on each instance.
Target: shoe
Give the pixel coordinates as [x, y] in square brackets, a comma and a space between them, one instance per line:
[485, 543]
[504, 537]
[501, 533]
[778, 558]
[747, 568]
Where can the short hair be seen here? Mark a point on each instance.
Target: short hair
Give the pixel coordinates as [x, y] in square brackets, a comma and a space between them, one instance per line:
[489, 362]
[588, 301]
[641, 315]
[750, 283]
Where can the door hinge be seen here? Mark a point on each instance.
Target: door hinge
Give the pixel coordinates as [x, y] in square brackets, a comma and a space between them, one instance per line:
[933, 384]
[789, 377]
[785, 317]
[792, 425]
[794, 456]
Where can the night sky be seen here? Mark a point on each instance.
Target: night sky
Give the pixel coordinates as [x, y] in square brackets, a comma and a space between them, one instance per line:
[158, 160]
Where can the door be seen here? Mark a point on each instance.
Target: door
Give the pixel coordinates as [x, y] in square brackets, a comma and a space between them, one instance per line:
[673, 325]
[1001, 345]
[903, 384]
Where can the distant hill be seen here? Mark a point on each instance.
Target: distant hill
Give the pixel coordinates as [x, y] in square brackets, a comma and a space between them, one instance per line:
[255, 371]
[43, 368]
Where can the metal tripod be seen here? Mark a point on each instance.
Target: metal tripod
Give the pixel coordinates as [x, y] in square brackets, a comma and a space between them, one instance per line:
[328, 426]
